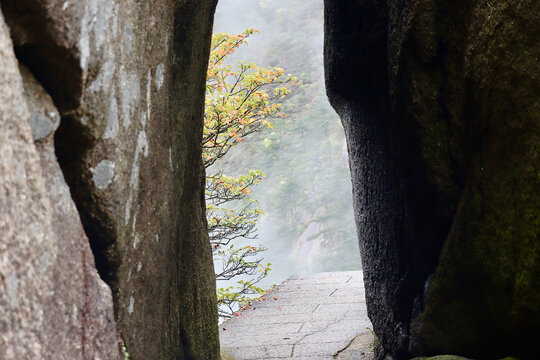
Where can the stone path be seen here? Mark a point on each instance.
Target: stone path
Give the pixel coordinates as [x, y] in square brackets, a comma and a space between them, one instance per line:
[312, 317]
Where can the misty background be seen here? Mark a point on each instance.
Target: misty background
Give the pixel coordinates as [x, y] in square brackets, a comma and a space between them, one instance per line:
[308, 225]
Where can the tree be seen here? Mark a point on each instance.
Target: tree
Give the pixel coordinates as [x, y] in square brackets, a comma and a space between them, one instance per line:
[304, 155]
[240, 101]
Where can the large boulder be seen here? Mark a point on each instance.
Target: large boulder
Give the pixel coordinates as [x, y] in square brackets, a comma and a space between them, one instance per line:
[53, 303]
[128, 80]
[440, 105]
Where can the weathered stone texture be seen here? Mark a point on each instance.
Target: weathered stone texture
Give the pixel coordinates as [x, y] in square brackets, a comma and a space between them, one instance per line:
[440, 104]
[314, 317]
[54, 305]
[128, 79]
[79, 313]
[25, 219]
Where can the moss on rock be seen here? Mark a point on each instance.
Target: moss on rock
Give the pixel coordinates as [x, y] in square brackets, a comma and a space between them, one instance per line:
[441, 109]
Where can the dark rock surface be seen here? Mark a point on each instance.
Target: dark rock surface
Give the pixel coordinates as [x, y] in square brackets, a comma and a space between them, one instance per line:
[128, 80]
[441, 107]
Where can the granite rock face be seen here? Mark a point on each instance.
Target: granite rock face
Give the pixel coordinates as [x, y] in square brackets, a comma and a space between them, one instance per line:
[79, 308]
[119, 87]
[440, 104]
[54, 305]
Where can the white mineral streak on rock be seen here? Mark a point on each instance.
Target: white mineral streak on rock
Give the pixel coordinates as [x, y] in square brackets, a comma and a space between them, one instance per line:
[103, 174]
[134, 178]
[112, 119]
[128, 210]
[95, 26]
[107, 72]
[144, 141]
[160, 75]
[141, 149]
[135, 222]
[136, 240]
[130, 96]
[143, 119]
[74, 315]
[84, 42]
[139, 266]
[101, 21]
[148, 93]
[131, 303]
[170, 159]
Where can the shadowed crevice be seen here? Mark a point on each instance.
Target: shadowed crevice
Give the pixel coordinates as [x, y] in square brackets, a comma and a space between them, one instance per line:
[53, 63]
[98, 225]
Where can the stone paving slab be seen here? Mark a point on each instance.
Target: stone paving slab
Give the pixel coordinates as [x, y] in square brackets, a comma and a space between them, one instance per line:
[314, 299]
[312, 317]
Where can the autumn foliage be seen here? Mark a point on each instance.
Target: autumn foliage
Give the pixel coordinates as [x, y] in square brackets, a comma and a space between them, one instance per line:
[241, 99]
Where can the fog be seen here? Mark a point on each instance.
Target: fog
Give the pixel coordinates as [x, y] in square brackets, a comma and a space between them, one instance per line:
[308, 223]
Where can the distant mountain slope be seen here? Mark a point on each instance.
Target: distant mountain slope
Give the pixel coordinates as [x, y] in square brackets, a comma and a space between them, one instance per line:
[306, 194]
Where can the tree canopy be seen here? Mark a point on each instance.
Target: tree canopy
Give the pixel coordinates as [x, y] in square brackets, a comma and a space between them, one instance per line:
[241, 100]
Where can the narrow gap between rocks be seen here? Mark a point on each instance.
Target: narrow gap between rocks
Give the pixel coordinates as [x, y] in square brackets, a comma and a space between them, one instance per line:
[307, 231]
